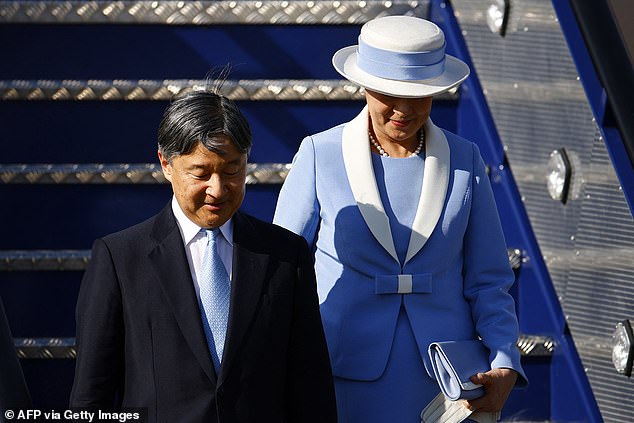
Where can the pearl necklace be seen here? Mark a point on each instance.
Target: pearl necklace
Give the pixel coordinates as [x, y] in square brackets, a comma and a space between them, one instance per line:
[419, 148]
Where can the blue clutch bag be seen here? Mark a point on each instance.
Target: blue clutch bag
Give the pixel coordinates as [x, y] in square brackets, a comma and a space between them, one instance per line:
[454, 362]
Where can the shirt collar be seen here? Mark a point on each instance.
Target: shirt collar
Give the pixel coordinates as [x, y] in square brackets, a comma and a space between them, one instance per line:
[189, 229]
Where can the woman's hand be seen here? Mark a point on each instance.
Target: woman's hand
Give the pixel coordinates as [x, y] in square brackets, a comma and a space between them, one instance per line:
[498, 384]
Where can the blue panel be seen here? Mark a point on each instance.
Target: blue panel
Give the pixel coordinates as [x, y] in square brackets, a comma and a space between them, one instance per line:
[49, 381]
[40, 304]
[170, 52]
[568, 375]
[260, 201]
[533, 402]
[72, 216]
[76, 132]
[125, 132]
[279, 127]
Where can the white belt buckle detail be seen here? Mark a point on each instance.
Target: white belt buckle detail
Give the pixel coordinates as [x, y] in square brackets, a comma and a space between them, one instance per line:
[404, 284]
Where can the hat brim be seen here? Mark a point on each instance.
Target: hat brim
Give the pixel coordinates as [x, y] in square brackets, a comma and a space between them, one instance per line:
[456, 71]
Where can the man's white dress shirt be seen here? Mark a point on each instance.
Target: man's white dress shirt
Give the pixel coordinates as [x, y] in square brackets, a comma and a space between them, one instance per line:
[195, 243]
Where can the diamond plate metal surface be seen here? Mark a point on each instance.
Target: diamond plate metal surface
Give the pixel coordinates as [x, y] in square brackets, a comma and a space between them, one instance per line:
[269, 173]
[535, 346]
[81, 174]
[539, 105]
[145, 173]
[45, 348]
[515, 258]
[205, 12]
[163, 90]
[40, 260]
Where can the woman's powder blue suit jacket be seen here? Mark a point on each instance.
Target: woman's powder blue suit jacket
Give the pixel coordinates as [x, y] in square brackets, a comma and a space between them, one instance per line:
[454, 282]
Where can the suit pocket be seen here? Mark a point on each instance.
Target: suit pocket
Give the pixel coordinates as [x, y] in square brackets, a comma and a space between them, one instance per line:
[458, 202]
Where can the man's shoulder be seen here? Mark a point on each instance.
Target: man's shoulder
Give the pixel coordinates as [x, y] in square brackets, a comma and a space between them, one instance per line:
[267, 238]
[137, 233]
[266, 229]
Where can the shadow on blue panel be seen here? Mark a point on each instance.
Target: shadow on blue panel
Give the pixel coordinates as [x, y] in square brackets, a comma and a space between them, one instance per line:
[72, 216]
[533, 402]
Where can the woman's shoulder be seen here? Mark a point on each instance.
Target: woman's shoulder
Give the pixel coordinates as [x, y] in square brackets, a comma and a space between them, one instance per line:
[328, 136]
[460, 147]
[456, 141]
[323, 143]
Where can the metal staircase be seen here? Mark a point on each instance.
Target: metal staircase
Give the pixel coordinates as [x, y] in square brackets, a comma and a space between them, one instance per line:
[82, 89]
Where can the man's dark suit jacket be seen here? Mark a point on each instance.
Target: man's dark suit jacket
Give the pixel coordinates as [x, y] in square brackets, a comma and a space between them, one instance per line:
[141, 342]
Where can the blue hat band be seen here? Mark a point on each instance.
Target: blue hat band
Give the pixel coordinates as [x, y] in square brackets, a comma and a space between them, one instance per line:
[405, 66]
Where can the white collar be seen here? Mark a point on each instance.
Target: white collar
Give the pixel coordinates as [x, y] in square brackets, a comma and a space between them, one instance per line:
[189, 229]
[355, 146]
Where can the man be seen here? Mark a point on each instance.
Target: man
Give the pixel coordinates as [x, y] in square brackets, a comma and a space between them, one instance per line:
[202, 313]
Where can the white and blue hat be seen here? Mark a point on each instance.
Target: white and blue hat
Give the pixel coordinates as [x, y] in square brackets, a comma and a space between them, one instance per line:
[401, 56]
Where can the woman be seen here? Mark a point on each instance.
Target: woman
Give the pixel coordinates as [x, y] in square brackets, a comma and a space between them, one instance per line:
[408, 245]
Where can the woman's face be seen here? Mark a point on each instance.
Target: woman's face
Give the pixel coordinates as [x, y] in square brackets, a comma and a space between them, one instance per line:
[397, 119]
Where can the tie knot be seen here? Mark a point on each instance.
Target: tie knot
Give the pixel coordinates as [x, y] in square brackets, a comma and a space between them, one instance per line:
[212, 235]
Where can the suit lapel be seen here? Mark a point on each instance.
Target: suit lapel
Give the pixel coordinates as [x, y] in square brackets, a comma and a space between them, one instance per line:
[434, 189]
[355, 146]
[358, 163]
[249, 271]
[172, 270]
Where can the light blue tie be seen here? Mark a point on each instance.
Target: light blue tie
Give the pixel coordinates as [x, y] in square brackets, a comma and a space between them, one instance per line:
[215, 291]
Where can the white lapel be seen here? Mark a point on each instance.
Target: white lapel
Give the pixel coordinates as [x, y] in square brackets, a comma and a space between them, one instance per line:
[434, 189]
[355, 146]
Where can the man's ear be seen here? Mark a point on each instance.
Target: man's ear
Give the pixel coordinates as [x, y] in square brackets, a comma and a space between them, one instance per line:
[165, 166]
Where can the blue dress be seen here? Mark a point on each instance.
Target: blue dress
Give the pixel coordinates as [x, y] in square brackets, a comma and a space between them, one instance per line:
[399, 182]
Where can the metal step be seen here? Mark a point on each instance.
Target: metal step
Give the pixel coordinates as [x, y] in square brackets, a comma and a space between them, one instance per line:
[164, 90]
[120, 173]
[205, 12]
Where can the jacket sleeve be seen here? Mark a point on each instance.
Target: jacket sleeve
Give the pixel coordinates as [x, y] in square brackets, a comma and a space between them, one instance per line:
[297, 206]
[488, 275]
[100, 334]
[311, 396]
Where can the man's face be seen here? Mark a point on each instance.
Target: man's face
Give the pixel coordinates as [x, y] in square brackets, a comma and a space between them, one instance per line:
[209, 187]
